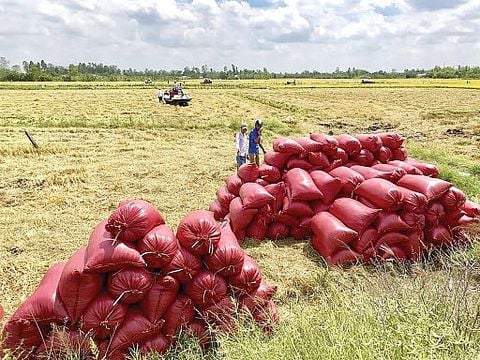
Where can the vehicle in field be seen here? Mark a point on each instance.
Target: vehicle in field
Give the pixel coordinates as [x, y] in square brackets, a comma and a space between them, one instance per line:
[175, 96]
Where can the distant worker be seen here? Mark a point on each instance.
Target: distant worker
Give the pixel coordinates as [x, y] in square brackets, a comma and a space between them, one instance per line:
[255, 142]
[241, 145]
[160, 95]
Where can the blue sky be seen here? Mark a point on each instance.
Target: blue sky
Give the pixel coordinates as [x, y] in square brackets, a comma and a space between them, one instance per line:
[282, 35]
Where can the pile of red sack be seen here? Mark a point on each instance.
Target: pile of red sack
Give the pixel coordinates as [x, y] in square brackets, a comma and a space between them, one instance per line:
[137, 283]
[360, 199]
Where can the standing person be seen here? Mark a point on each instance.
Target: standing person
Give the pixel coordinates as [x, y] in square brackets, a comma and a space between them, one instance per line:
[255, 142]
[241, 144]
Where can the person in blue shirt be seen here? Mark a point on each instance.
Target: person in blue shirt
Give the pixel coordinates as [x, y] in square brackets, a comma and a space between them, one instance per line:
[255, 142]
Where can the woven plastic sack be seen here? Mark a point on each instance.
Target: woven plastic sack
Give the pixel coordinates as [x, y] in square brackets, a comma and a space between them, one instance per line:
[206, 288]
[286, 145]
[224, 196]
[349, 178]
[248, 172]
[240, 217]
[277, 159]
[350, 144]
[199, 232]
[183, 266]
[370, 142]
[318, 159]
[103, 254]
[391, 140]
[160, 297]
[158, 344]
[413, 201]
[329, 186]
[158, 247]
[76, 288]
[344, 257]
[130, 285]
[234, 183]
[248, 279]
[180, 314]
[384, 154]
[132, 220]
[368, 239]
[432, 188]
[390, 222]
[219, 212]
[426, 169]
[328, 144]
[353, 214]
[409, 168]
[364, 157]
[454, 198]
[269, 173]
[255, 196]
[301, 186]
[382, 193]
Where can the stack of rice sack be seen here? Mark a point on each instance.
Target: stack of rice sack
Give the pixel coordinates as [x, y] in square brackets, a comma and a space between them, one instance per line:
[361, 198]
[137, 283]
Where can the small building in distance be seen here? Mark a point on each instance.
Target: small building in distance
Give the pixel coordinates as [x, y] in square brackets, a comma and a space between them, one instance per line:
[367, 81]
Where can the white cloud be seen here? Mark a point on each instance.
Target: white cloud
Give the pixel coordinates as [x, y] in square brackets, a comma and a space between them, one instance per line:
[283, 35]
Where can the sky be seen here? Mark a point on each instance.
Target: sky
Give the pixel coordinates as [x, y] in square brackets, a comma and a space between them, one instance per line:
[281, 35]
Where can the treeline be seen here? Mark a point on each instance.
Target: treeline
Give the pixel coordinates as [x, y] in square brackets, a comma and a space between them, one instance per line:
[42, 71]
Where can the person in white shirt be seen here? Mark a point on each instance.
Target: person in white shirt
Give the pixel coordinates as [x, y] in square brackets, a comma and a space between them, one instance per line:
[241, 145]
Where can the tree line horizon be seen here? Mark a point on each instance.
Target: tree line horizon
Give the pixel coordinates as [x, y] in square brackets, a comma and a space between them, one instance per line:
[42, 71]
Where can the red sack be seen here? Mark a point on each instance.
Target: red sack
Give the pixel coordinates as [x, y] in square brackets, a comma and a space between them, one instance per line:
[297, 208]
[413, 201]
[328, 144]
[258, 229]
[278, 192]
[160, 297]
[370, 142]
[130, 285]
[410, 169]
[300, 233]
[286, 219]
[415, 246]
[426, 169]
[299, 163]
[391, 140]
[157, 344]
[367, 240]
[381, 193]
[198, 232]
[353, 214]
[277, 231]
[366, 202]
[415, 221]
[333, 165]
[276, 159]
[104, 255]
[432, 188]
[103, 316]
[438, 235]
[328, 185]
[224, 196]
[269, 173]
[301, 186]
[240, 217]
[286, 145]
[183, 266]
[198, 329]
[220, 314]
[267, 317]
[395, 173]
[22, 337]
[132, 220]
[394, 252]
[318, 205]
[350, 179]
[370, 172]
[466, 220]
[259, 298]
[180, 314]
[318, 159]
[454, 198]
[219, 212]
[390, 222]
[227, 259]
[452, 218]
[330, 234]
[248, 279]
[206, 288]
[134, 330]
[62, 343]
[350, 144]
[340, 155]
[344, 257]
[77, 289]
[44, 305]
[248, 172]
[26, 327]
[255, 196]
[471, 209]
[364, 157]
[234, 183]
[308, 144]
[390, 239]
[399, 154]
[158, 247]
[384, 154]
[435, 214]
